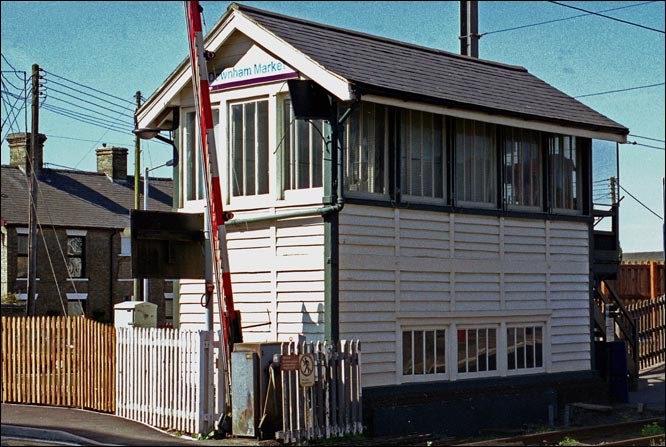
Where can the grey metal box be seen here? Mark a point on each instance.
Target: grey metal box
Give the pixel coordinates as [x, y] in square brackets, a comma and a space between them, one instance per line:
[244, 393]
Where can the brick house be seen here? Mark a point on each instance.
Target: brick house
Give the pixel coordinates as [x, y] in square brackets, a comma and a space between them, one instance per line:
[84, 258]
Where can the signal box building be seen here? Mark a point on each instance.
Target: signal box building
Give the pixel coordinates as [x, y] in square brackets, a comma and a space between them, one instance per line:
[452, 233]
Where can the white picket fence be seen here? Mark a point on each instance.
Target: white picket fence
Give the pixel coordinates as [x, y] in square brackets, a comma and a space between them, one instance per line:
[332, 407]
[161, 378]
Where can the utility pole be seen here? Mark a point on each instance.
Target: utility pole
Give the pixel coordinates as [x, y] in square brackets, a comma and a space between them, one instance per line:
[137, 175]
[469, 28]
[31, 171]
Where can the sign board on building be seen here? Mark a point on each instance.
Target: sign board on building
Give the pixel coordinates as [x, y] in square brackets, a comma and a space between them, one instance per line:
[306, 367]
[254, 67]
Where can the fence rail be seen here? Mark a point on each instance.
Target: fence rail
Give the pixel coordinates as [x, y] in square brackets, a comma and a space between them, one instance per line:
[161, 376]
[650, 317]
[61, 361]
[330, 408]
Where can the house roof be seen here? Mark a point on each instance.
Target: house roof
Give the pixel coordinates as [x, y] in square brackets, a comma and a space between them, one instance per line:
[393, 68]
[77, 199]
[388, 68]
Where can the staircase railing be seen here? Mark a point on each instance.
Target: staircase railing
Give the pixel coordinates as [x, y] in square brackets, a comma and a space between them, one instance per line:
[625, 324]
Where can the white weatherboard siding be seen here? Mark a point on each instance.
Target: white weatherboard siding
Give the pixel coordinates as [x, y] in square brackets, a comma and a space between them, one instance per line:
[277, 274]
[430, 269]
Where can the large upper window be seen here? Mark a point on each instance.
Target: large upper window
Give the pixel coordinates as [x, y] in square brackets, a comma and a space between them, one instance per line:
[564, 165]
[304, 146]
[523, 158]
[249, 148]
[476, 163]
[365, 169]
[422, 158]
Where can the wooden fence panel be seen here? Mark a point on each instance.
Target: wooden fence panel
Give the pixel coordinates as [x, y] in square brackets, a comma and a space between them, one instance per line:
[639, 281]
[332, 407]
[161, 378]
[62, 361]
[650, 316]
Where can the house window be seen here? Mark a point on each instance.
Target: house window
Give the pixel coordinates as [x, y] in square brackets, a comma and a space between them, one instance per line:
[477, 350]
[522, 166]
[423, 352]
[76, 304]
[193, 172]
[564, 163]
[524, 347]
[76, 256]
[476, 163]
[422, 154]
[304, 146]
[249, 148]
[22, 256]
[365, 169]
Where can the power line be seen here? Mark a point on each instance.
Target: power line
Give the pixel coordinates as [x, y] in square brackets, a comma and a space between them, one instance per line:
[88, 94]
[107, 119]
[561, 20]
[91, 88]
[608, 17]
[633, 143]
[644, 205]
[88, 102]
[88, 120]
[647, 138]
[620, 90]
[81, 139]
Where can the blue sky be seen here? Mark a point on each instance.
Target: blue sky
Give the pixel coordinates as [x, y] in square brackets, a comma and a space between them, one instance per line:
[123, 47]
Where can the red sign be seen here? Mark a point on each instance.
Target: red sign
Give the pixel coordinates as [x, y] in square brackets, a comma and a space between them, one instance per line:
[289, 362]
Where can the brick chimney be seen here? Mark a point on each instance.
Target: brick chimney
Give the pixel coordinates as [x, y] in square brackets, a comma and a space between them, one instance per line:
[112, 161]
[19, 148]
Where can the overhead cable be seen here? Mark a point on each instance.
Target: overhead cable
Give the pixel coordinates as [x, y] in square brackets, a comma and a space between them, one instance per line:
[620, 90]
[609, 17]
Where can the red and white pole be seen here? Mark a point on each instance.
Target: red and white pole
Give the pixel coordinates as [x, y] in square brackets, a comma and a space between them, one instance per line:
[228, 317]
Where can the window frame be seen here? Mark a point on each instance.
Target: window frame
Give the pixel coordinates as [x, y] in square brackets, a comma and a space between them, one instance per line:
[542, 180]
[498, 348]
[20, 254]
[577, 177]
[413, 375]
[72, 235]
[516, 370]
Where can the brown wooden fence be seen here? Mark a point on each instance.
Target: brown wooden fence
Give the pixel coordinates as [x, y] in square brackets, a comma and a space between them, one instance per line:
[62, 361]
[639, 281]
[650, 316]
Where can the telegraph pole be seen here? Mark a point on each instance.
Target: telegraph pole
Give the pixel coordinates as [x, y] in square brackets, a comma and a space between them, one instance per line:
[31, 172]
[137, 175]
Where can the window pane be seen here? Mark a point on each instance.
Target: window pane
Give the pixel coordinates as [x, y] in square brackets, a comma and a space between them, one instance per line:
[75, 246]
[520, 347]
[287, 145]
[302, 154]
[191, 151]
[22, 267]
[22, 244]
[492, 349]
[529, 347]
[475, 162]
[318, 147]
[430, 352]
[441, 352]
[262, 147]
[483, 350]
[418, 352]
[511, 347]
[407, 353]
[462, 351]
[471, 350]
[237, 178]
[75, 267]
[563, 161]
[249, 149]
[538, 347]
[366, 150]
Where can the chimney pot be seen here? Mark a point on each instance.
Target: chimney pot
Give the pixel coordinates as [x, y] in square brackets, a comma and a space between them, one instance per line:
[19, 148]
[112, 161]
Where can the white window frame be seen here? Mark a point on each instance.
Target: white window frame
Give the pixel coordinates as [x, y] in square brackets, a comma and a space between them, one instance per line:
[350, 146]
[498, 349]
[489, 176]
[443, 375]
[74, 299]
[407, 154]
[525, 369]
[513, 153]
[288, 136]
[576, 177]
[84, 264]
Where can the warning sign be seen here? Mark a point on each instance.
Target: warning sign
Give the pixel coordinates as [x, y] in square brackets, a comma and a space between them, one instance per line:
[289, 362]
[306, 366]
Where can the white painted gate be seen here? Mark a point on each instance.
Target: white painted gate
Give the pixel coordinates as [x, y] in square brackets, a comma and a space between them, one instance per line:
[161, 378]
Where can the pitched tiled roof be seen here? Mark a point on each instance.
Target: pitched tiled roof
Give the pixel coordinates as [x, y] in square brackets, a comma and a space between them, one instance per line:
[78, 199]
[393, 68]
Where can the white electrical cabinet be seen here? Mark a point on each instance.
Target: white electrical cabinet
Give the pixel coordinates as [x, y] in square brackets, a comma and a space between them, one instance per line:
[135, 314]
